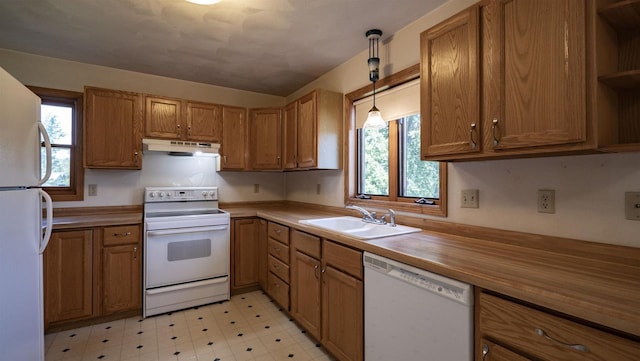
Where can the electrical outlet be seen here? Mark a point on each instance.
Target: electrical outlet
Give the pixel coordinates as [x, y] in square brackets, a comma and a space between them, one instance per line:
[632, 205]
[256, 188]
[93, 190]
[318, 188]
[469, 198]
[546, 201]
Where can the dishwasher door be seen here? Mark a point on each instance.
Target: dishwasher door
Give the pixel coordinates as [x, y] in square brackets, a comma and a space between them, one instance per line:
[415, 315]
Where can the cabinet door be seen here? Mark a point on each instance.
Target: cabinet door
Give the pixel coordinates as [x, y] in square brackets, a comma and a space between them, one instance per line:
[234, 138]
[290, 120]
[163, 118]
[68, 276]
[307, 144]
[266, 139]
[342, 315]
[305, 292]
[449, 86]
[204, 122]
[113, 129]
[121, 278]
[534, 76]
[490, 351]
[246, 252]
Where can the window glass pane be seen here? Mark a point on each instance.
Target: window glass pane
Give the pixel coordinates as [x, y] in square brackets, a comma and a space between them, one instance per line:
[58, 120]
[422, 179]
[375, 167]
[60, 167]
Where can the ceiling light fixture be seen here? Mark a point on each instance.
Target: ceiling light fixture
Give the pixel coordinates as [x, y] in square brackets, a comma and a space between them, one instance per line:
[204, 2]
[374, 118]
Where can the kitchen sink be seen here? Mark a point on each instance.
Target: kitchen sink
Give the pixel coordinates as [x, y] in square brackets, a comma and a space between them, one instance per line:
[355, 227]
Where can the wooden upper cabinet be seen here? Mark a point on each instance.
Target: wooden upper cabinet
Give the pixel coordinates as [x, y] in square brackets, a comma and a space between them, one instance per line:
[113, 129]
[163, 118]
[449, 86]
[169, 118]
[233, 149]
[204, 122]
[534, 75]
[265, 138]
[313, 131]
[290, 120]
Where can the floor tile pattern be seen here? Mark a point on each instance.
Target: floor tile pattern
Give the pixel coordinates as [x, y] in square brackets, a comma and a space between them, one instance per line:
[249, 327]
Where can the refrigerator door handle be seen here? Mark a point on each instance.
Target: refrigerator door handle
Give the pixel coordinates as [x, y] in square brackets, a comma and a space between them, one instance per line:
[47, 144]
[47, 233]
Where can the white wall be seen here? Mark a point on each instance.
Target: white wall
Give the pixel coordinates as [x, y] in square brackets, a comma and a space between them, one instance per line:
[589, 188]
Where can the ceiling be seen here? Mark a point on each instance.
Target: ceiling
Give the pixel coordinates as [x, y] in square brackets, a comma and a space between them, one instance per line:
[266, 46]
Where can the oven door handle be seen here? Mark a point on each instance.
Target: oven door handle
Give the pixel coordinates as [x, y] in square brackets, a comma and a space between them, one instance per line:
[186, 230]
[182, 286]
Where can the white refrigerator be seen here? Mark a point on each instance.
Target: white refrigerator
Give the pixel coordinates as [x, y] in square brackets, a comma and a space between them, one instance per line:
[22, 237]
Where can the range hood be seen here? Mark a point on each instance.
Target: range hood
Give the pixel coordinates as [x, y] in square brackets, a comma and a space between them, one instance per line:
[179, 147]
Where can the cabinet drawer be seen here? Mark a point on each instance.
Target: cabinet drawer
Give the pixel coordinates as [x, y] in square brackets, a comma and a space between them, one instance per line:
[343, 258]
[113, 236]
[279, 232]
[546, 336]
[279, 290]
[306, 243]
[279, 250]
[278, 268]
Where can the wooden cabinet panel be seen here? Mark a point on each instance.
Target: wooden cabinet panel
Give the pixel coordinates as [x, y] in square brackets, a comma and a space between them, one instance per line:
[68, 276]
[306, 243]
[279, 290]
[266, 139]
[307, 132]
[279, 250]
[114, 236]
[343, 258]
[278, 268]
[305, 292]
[342, 315]
[279, 232]
[233, 149]
[536, 79]
[121, 278]
[449, 87]
[112, 129]
[204, 122]
[290, 120]
[262, 254]
[246, 252]
[546, 336]
[163, 118]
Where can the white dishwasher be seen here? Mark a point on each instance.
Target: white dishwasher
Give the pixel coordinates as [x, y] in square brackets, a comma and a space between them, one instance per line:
[414, 315]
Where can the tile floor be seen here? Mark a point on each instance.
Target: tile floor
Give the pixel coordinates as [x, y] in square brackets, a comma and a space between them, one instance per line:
[248, 327]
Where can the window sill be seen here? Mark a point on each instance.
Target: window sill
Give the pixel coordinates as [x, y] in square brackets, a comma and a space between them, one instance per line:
[437, 209]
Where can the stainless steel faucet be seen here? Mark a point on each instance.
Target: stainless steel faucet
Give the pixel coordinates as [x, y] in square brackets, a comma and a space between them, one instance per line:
[366, 215]
[392, 217]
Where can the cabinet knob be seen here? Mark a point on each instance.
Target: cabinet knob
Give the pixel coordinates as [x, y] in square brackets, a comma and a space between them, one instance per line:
[485, 351]
[135, 253]
[135, 155]
[315, 271]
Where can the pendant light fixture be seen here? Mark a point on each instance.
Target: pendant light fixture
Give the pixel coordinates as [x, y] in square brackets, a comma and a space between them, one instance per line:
[374, 118]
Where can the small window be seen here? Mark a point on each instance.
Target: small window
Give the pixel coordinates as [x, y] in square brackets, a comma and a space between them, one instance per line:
[61, 115]
[385, 167]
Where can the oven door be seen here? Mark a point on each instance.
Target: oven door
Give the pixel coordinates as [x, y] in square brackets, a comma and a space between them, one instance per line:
[186, 254]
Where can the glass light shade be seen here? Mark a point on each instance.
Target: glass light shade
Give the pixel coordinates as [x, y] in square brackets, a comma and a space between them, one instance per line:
[374, 119]
[204, 2]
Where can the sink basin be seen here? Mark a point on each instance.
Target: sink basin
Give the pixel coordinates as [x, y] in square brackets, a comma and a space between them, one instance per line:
[356, 228]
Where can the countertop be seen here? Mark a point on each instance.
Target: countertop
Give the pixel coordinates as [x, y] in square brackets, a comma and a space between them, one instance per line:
[599, 283]
[591, 281]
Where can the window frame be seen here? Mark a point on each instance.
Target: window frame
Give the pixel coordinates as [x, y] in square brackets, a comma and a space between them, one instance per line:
[404, 204]
[75, 191]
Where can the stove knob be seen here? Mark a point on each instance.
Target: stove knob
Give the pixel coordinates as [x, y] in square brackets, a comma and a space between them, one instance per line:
[161, 194]
[204, 194]
[152, 194]
[212, 193]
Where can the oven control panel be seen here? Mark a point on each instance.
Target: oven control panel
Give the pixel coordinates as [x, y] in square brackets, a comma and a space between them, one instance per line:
[180, 194]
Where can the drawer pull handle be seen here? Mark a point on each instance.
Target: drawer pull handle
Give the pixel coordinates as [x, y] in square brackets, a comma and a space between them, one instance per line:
[485, 351]
[123, 234]
[315, 271]
[473, 143]
[277, 231]
[275, 266]
[575, 346]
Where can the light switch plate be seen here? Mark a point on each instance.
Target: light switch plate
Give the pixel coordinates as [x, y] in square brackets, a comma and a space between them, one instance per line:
[632, 205]
[469, 198]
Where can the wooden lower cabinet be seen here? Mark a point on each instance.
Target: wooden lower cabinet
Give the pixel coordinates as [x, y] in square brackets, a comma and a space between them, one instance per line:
[121, 278]
[91, 273]
[68, 276]
[246, 252]
[305, 292]
[539, 335]
[262, 254]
